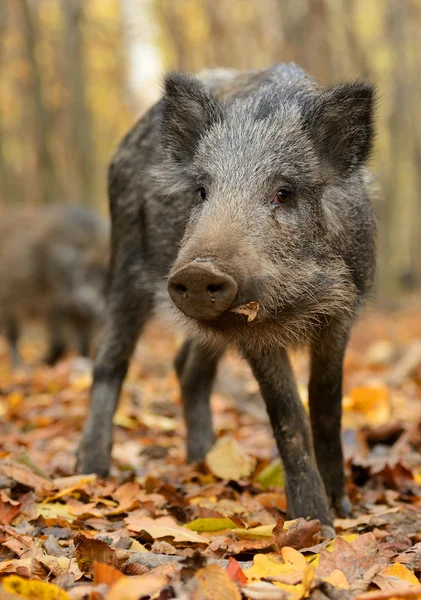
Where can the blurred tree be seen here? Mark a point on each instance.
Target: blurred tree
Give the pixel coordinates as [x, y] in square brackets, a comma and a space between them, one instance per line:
[41, 123]
[80, 117]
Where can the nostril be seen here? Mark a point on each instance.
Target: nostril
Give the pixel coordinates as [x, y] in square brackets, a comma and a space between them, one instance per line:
[213, 288]
[181, 288]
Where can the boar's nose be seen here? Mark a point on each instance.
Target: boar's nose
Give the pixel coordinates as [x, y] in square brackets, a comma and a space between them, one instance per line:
[201, 291]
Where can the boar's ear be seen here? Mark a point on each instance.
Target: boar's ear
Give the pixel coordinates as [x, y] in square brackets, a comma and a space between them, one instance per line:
[188, 110]
[341, 124]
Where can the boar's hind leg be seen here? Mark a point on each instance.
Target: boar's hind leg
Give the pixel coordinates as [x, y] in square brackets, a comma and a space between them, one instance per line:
[305, 492]
[129, 304]
[57, 342]
[12, 334]
[325, 399]
[196, 367]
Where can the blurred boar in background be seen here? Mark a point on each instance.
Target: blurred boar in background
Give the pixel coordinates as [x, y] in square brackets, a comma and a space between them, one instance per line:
[53, 266]
[247, 196]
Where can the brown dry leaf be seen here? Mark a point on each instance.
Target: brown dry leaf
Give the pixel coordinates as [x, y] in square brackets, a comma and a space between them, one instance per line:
[395, 576]
[409, 593]
[131, 588]
[228, 460]
[9, 508]
[216, 584]
[300, 533]
[344, 524]
[354, 558]
[162, 528]
[89, 550]
[22, 474]
[250, 310]
[127, 496]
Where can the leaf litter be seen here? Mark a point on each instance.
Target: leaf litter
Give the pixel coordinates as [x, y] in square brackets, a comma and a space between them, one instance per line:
[158, 528]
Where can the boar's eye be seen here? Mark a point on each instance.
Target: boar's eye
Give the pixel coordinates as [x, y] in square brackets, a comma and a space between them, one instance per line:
[282, 196]
[202, 192]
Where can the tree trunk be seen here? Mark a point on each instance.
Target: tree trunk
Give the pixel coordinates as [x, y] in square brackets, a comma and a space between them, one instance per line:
[80, 117]
[45, 171]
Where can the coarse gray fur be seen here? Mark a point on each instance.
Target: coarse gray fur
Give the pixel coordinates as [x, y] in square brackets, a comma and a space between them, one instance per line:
[308, 262]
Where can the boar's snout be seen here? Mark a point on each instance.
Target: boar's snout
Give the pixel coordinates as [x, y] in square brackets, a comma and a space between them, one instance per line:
[201, 291]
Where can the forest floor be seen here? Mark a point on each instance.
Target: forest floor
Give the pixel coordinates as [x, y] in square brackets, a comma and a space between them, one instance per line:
[158, 528]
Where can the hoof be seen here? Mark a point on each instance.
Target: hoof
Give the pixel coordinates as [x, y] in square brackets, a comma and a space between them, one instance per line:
[328, 531]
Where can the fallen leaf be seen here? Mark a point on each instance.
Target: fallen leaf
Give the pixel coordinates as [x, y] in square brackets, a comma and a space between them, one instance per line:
[104, 573]
[23, 474]
[54, 510]
[131, 588]
[266, 565]
[338, 579]
[9, 508]
[300, 533]
[250, 310]
[395, 576]
[163, 527]
[89, 550]
[235, 571]
[216, 584]
[34, 590]
[409, 593]
[210, 524]
[294, 559]
[262, 590]
[272, 475]
[228, 460]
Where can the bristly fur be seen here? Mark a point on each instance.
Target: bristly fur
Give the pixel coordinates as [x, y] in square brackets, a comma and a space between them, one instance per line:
[309, 263]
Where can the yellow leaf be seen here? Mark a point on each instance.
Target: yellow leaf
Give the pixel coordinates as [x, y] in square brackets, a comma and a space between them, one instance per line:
[137, 546]
[272, 475]
[338, 579]
[308, 578]
[259, 532]
[294, 559]
[254, 533]
[34, 590]
[266, 565]
[54, 510]
[372, 402]
[228, 460]
[163, 527]
[210, 524]
[125, 422]
[401, 572]
[68, 491]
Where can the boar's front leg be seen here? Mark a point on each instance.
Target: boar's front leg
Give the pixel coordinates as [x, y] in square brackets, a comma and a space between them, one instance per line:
[129, 302]
[196, 367]
[305, 492]
[325, 399]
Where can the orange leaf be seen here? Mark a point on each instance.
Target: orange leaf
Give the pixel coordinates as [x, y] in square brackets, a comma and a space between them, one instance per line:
[235, 571]
[104, 573]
